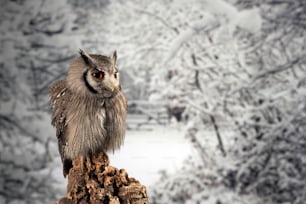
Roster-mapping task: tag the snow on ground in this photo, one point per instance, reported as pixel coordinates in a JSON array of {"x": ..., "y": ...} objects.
[{"x": 145, "y": 153}]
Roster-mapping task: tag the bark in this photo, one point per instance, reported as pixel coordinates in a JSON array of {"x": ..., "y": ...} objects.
[{"x": 92, "y": 181}]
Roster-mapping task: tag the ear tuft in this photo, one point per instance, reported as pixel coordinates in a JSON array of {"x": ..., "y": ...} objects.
[
  {"x": 114, "y": 56},
  {"x": 86, "y": 57}
]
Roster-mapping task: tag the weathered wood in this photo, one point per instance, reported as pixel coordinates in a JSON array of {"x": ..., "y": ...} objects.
[{"x": 91, "y": 180}]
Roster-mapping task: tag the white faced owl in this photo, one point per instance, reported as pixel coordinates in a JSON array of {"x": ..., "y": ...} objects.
[{"x": 88, "y": 108}]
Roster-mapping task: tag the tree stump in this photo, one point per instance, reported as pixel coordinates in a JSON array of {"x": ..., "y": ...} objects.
[{"x": 92, "y": 181}]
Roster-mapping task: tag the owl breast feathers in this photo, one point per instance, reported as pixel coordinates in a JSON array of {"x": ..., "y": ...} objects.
[{"x": 88, "y": 108}]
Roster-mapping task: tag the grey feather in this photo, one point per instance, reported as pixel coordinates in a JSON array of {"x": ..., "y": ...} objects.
[{"x": 89, "y": 115}]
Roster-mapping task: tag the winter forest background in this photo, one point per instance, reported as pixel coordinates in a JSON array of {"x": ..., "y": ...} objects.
[{"x": 225, "y": 78}]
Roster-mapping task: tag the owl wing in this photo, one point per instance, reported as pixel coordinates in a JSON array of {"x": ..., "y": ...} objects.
[{"x": 59, "y": 98}]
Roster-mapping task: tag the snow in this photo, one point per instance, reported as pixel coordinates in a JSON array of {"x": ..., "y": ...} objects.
[
  {"x": 146, "y": 153},
  {"x": 248, "y": 19},
  {"x": 219, "y": 41}
]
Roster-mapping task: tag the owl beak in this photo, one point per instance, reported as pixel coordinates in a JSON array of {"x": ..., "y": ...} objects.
[
  {"x": 110, "y": 86},
  {"x": 112, "y": 89}
]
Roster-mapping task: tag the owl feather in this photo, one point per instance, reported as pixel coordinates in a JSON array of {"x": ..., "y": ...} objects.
[{"x": 88, "y": 108}]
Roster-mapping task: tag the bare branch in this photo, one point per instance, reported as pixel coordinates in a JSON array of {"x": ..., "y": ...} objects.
[
  {"x": 289, "y": 65},
  {"x": 159, "y": 19},
  {"x": 216, "y": 127}
]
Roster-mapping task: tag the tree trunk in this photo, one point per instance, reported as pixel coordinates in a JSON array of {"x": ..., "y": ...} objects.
[{"x": 92, "y": 181}]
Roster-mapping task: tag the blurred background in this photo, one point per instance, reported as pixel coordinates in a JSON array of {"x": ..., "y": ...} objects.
[{"x": 216, "y": 92}]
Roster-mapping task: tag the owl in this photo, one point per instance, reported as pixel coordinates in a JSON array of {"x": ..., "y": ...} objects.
[{"x": 88, "y": 108}]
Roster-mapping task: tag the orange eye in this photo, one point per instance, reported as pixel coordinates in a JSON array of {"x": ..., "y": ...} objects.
[{"x": 98, "y": 75}]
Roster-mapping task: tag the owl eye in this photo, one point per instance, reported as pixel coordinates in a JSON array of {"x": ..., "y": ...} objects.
[
  {"x": 116, "y": 75},
  {"x": 98, "y": 75}
]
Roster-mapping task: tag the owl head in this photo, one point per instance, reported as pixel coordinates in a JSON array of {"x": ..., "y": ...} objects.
[{"x": 94, "y": 75}]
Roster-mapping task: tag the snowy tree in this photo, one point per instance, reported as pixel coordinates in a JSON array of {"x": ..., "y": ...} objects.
[
  {"x": 233, "y": 73},
  {"x": 204, "y": 65},
  {"x": 260, "y": 90},
  {"x": 272, "y": 128},
  {"x": 34, "y": 52}
]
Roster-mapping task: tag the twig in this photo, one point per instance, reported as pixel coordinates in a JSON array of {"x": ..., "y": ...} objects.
[
  {"x": 6, "y": 120},
  {"x": 159, "y": 19},
  {"x": 201, "y": 150},
  {"x": 216, "y": 127},
  {"x": 281, "y": 68},
  {"x": 196, "y": 76}
]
